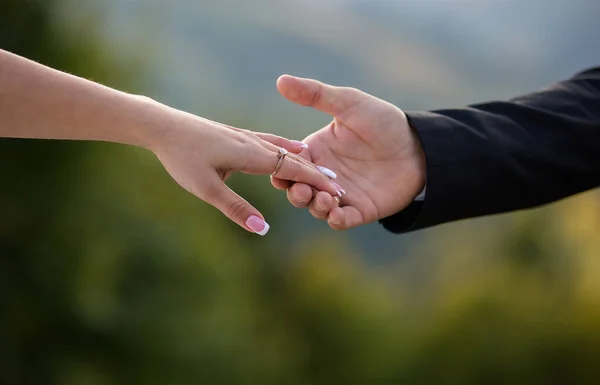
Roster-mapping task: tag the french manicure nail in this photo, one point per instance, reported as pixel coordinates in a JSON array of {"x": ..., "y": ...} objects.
[
  {"x": 258, "y": 225},
  {"x": 327, "y": 172},
  {"x": 338, "y": 192},
  {"x": 338, "y": 188},
  {"x": 300, "y": 144}
]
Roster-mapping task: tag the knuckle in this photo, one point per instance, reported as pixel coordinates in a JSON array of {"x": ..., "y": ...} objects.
[
  {"x": 144, "y": 98},
  {"x": 247, "y": 156},
  {"x": 250, "y": 137},
  {"x": 235, "y": 209},
  {"x": 353, "y": 90},
  {"x": 243, "y": 138},
  {"x": 297, "y": 170},
  {"x": 316, "y": 96},
  {"x": 273, "y": 139},
  {"x": 354, "y": 95}
]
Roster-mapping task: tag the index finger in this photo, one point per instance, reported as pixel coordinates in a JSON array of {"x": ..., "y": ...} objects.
[{"x": 289, "y": 167}]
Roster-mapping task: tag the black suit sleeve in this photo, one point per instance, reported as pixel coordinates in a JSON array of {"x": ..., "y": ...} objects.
[{"x": 502, "y": 156}]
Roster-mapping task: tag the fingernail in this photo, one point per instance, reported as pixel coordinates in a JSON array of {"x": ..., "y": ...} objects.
[
  {"x": 333, "y": 221},
  {"x": 327, "y": 172},
  {"x": 257, "y": 225},
  {"x": 338, "y": 188},
  {"x": 337, "y": 191},
  {"x": 300, "y": 144}
]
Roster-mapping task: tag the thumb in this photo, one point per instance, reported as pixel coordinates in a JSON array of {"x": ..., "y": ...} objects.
[
  {"x": 326, "y": 98},
  {"x": 236, "y": 208}
]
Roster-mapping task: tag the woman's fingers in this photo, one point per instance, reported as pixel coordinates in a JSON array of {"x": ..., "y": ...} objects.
[
  {"x": 234, "y": 207},
  {"x": 274, "y": 142},
  {"x": 296, "y": 170},
  {"x": 292, "y": 146},
  {"x": 288, "y": 167},
  {"x": 308, "y": 185},
  {"x": 282, "y": 179}
]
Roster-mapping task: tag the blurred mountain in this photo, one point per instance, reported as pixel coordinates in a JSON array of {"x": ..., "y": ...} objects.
[
  {"x": 220, "y": 59},
  {"x": 420, "y": 53}
]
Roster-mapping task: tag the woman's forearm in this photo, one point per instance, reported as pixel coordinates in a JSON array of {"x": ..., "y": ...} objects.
[{"x": 39, "y": 102}]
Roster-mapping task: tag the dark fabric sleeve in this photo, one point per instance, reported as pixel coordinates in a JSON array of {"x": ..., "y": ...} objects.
[{"x": 503, "y": 156}]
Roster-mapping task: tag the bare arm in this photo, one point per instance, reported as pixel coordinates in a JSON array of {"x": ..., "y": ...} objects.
[{"x": 40, "y": 102}]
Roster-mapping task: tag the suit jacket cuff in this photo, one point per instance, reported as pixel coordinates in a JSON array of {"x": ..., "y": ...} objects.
[{"x": 437, "y": 134}]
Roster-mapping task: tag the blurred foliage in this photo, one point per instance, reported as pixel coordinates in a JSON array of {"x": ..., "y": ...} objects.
[{"x": 111, "y": 274}]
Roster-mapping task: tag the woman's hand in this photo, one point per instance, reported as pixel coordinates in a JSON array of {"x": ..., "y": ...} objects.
[
  {"x": 39, "y": 102},
  {"x": 200, "y": 155}
]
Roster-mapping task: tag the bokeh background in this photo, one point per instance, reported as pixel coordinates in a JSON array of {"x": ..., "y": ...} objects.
[{"x": 112, "y": 274}]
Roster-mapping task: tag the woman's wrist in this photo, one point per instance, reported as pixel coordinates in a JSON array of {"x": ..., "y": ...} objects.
[{"x": 150, "y": 122}]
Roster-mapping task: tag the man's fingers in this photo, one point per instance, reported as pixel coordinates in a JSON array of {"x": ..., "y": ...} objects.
[
  {"x": 323, "y": 97},
  {"x": 291, "y": 167},
  {"x": 293, "y": 146},
  {"x": 235, "y": 207},
  {"x": 344, "y": 218},
  {"x": 300, "y": 195},
  {"x": 320, "y": 206}
]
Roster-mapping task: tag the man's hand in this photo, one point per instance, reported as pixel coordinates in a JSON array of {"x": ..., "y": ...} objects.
[{"x": 369, "y": 144}]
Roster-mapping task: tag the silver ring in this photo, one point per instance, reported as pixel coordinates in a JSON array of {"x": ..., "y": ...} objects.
[
  {"x": 338, "y": 200},
  {"x": 281, "y": 154}
]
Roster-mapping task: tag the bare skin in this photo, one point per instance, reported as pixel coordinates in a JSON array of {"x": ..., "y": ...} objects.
[
  {"x": 40, "y": 102},
  {"x": 378, "y": 158}
]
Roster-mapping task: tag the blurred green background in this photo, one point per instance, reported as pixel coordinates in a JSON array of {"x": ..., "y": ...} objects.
[{"x": 112, "y": 274}]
